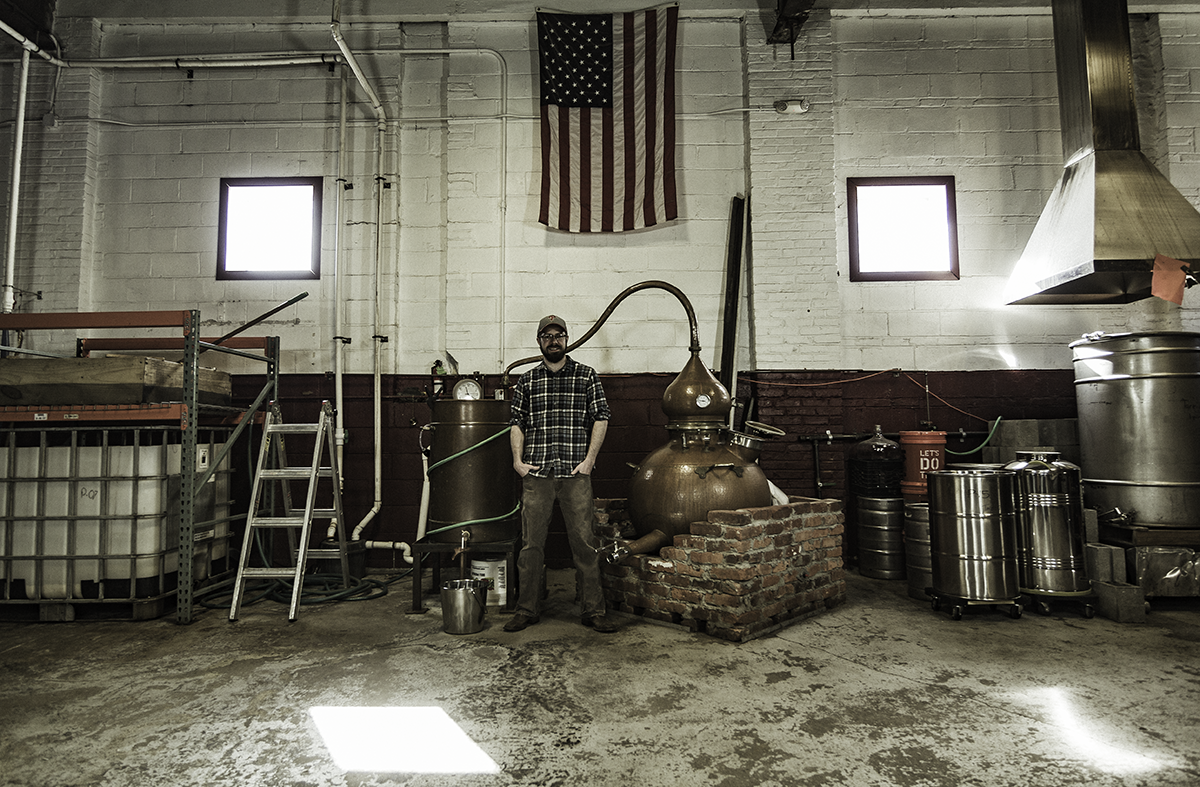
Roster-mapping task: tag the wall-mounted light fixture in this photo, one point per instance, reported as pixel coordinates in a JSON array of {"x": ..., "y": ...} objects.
[{"x": 792, "y": 106}]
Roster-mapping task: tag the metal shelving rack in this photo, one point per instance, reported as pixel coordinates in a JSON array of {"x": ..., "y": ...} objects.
[{"x": 187, "y": 413}]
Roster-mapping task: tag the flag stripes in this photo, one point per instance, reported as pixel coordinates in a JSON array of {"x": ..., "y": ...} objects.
[{"x": 608, "y": 156}]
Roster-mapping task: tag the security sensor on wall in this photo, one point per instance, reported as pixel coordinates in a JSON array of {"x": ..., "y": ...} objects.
[{"x": 793, "y": 106}]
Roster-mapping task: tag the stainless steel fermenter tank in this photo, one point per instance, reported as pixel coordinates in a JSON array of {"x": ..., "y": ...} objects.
[
  {"x": 973, "y": 535},
  {"x": 1138, "y": 396},
  {"x": 472, "y": 484}
]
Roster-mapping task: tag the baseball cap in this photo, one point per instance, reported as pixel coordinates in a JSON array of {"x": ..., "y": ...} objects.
[{"x": 552, "y": 319}]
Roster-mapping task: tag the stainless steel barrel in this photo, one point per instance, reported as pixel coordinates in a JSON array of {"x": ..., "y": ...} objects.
[
  {"x": 1049, "y": 498},
  {"x": 472, "y": 484},
  {"x": 918, "y": 560},
  {"x": 1138, "y": 397},
  {"x": 881, "y": 537},
  {"x": 973, "y": 534}
]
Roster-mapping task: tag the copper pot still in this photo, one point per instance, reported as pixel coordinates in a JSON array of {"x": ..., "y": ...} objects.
[{"x": 704, "y": 467}]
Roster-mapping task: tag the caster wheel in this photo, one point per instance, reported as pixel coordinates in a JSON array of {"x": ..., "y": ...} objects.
[
  {"x": 956, "y": 613},
  {"x": 1042, "y": 607},
  {"x": 1014, "y": 611},
  {"x": 1089, "y": 611},
  {"x": 935, "y": 603}
]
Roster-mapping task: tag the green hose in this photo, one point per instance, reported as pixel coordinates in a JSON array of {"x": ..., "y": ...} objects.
[
  {"x": 981, "y": 446},
  {"x": 481, "y": 443},
  {"x": 474, "y": 521}
]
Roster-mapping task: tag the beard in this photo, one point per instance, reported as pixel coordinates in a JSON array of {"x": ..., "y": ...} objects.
[{"x": 554, "y": 355}]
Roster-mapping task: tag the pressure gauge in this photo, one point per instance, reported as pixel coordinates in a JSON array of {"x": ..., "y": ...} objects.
[
  {"x": 703, "y": 400},
  {"x": 467, "y": 388}
]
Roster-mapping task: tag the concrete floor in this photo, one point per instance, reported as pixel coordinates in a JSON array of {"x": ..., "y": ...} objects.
[{"x": 881, "y": 691}]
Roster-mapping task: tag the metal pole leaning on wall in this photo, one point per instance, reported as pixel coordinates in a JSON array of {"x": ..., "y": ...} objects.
[{"x": 733, "y": 282}]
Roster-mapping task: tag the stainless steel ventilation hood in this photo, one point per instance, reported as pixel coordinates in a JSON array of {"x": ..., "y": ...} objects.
[{"x": 1112, "y": 211}]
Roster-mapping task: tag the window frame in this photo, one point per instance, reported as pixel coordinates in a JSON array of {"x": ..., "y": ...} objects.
[
  {"x": 854, "y": 224},
  {"x": 313, "y": 271}
]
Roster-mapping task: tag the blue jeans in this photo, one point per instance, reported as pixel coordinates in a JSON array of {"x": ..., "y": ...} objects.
[{"x": 574, "y": 495}]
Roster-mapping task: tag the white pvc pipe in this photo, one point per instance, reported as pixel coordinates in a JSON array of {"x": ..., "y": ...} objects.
[
  {"x": 378, "y": 338},
  {"x": 400, "y": 546},
  {"x": 339, "y": 356},
  {"x": 10, "y": 255}
]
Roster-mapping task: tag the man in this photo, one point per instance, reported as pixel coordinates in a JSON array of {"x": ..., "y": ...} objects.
[{"x": 559, "y": 419}]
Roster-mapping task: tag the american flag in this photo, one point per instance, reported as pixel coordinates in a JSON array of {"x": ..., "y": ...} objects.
[{"x": 608, "y": 119}]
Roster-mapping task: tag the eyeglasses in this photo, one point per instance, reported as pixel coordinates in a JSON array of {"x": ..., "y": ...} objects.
[{"x": 549, "y": 337}]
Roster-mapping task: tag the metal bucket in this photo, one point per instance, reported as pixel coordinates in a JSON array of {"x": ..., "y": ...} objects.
[
  {"x": 471, "y": 477},
  {"x": 464, "y": 603},
  {"x": 973, "y": 535},
  {"x": 918, "y": 560},
  {"x": 1050, "y": 537},
  {"x": 881, "y": 537},
  {"x": 1138, "y": 397}
]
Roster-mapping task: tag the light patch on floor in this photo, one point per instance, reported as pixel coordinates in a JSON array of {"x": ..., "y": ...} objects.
[
  {"x": 1084, "y": 742},
  {"x": 398, "y": 740}
]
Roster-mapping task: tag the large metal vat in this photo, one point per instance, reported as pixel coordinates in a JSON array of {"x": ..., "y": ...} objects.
[
  {"x": 472, "y": 483},
  {"x": 1049, "y": 498},
  {"x": 1138, "y": 396},
  {"x": 973, "y": 535}
]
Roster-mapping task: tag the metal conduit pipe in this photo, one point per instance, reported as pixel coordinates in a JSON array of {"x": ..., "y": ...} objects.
[
  {"x": 191, "y": 61},
  {"x": 694, "y": 348}
]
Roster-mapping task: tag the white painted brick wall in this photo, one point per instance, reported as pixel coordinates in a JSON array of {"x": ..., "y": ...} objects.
[
  {"x": 126, "y": 215},
  {"x": 973, "y": 97}
]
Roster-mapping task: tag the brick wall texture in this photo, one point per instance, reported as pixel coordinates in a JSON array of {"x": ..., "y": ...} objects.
[{"x": 739, "y": 575}]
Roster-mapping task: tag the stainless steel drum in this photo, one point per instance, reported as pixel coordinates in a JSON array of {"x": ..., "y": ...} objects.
[
  {"x": 1138, "y": 396},
  {"x": 1050, "y": 552},
  {"x": 973, "y": 535},
  {"x": 918, "y": 561},
  {"x": 472, "y": 483},
  {"x": 881, "y": 537}
]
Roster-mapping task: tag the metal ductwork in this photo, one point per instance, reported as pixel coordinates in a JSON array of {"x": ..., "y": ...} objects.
[{"x": 1112, "y": 212}]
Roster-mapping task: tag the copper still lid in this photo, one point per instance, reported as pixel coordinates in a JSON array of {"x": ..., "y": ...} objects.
[{"x": 696, "y": 398}]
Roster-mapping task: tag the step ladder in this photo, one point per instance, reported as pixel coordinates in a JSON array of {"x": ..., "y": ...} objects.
[{"x": 272, "y": 452}]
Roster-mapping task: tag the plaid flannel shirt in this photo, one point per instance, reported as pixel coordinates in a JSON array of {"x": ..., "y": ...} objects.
[{"x": 556, "y": 411}]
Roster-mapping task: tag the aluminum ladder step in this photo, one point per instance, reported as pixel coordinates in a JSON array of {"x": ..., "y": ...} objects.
[{"x": 295, "y": 473}]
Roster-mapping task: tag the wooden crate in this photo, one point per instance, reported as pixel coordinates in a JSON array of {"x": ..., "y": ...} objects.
[{"x": 114, "y": 379}]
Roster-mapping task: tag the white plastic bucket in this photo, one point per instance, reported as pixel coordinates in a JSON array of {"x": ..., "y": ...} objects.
[{"x": 495, "y": 571}]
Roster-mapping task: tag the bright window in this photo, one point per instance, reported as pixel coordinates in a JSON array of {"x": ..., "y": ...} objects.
[
  {"x": 902, "y": 229},
  {"x": 270, "y": 228}
]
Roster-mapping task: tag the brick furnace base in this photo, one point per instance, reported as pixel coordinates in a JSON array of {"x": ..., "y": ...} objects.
[{"x": 740, "y": 575}]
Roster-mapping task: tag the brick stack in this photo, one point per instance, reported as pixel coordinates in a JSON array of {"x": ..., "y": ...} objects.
[{"x": 737, "y": 576}]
